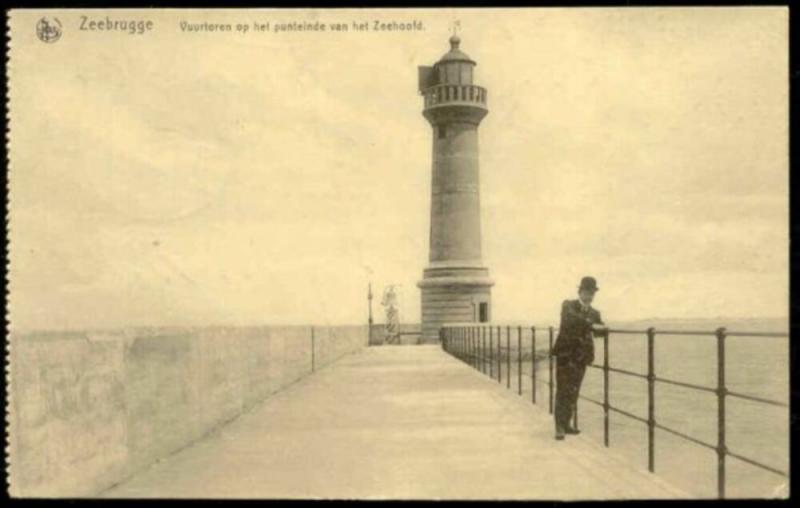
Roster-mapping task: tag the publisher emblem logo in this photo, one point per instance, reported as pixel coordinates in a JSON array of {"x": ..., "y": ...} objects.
[{"x": 48, "y": 30}]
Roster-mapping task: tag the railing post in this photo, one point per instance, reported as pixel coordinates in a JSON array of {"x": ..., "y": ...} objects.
[
  {"x": 472, "y": 361},
  {"x": 483, "y": 349},
  {"x": 313, "y": 356},
  {"x": 461, "y": 343},
  {"x": 606, "y": 405},
  {"x": 508, "y": 357},
  {"x": 480, "y": 348},
  {"x": 463, "y": 347},
  {"x": 464, "y": 344},
  {"x": 473, "y": 349},
  {"x": 651, "y": 400},
  {"x": 533, "y": 364},
  {"x": 550, "y": 368},
  {"x": 722, "y": 391},
  {"x": 491, "y": 351},
  {"x": 469, "y": 346},
  {"x": 519, "y": 359},
  {"x": 475, "y": 331},
  {"x": 499, "y": 356}
]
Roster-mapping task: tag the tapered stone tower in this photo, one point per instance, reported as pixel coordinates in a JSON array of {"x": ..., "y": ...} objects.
[{"x": 455, "y": 285}]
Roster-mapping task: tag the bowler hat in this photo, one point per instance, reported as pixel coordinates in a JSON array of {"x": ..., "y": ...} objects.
[{"x": 589, "y": 283}]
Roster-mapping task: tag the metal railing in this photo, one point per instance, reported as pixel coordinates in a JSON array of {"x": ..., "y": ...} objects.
[
  {"x": 468, "y": 343},
  {"x": 450, "y": 93}
]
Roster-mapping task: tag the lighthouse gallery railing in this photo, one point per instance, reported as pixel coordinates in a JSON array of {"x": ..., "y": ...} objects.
[
  {"x": 481, "y": 346},
  {"x": 453, "y": 94}
]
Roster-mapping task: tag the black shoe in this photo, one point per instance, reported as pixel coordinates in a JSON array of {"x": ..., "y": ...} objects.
[
  {"x": 559, "y": 433},
  {"x": 572, "y": 430}
]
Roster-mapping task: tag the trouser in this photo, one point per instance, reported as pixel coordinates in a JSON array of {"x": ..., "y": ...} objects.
[{"x": 569, "y": 375}]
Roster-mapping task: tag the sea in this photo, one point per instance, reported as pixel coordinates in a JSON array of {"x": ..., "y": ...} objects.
[{"x": 755, "y": 366}]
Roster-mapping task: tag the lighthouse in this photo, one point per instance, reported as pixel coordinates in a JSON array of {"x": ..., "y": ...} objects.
[{"x": 455, "y": 286}]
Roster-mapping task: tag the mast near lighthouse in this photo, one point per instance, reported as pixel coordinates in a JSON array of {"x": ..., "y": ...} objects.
[{"x": 455, "y": 285}]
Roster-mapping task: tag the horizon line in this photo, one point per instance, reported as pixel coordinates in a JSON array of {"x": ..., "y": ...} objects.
[{"x": 515, "y": 322}]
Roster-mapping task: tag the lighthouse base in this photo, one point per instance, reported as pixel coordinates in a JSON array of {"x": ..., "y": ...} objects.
[{"x": 453, "y": 294}]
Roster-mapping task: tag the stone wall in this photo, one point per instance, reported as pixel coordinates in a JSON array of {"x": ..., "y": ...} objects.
[{"x": 89, "y": 409}]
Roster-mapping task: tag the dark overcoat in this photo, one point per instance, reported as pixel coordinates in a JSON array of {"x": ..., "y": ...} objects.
[{"x": 574, "y": 341}]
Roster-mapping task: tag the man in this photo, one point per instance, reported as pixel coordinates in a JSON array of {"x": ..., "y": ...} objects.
[{"x": 574, "y": 350}]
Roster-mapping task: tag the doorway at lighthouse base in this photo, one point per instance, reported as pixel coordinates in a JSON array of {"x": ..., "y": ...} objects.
[{"x": 453, "y": 304}]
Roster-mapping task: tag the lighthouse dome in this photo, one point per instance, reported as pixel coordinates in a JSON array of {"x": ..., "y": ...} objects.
[{"x": 455, "y": 54}]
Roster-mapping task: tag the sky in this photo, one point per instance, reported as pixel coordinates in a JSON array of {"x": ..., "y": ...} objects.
[{"x": 175, "y": 178}]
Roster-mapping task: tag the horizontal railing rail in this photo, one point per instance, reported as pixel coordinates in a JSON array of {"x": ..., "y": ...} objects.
[{"x": 481, "y": 345}]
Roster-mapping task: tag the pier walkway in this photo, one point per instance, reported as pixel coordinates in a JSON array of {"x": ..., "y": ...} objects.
[{"x": 395, "y": 422}]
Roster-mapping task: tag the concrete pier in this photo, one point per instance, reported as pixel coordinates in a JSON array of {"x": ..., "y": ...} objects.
[{"x": 395, "y": 423}]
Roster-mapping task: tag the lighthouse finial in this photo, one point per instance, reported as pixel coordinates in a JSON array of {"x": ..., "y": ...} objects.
[{"x": 454, "y": 39}]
